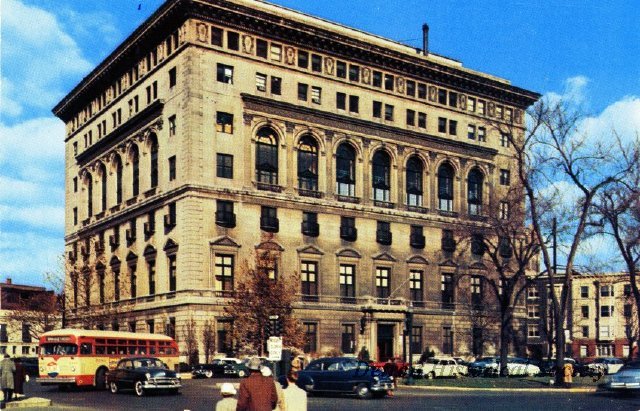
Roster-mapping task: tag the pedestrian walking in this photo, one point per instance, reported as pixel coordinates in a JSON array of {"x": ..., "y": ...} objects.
[
  {"x": 568, "y": 374},
  {"x": 256, "y": 393},
  {"x": 227, "y": 403},
  {"x": 7, "y": 368},
  {"x": 266, "y": 372},
  {"x": 294, "y": 396},
  {"x": 19, "y": 378}
]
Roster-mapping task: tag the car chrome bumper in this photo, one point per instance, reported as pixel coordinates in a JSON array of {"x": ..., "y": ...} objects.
[
  {"x": 59, "y": 380},
  {"x": 385, "y": 386},
  {"x": 161, "y": 385}
]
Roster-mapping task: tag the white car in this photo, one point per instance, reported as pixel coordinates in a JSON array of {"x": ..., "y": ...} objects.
[
  {"x": 442, "y": 367},
  {"x": 515, "y": 367},
  {"x": 608, "y": 365}
]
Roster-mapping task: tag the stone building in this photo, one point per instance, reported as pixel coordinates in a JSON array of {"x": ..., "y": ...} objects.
[
  {"x": 222, "y": 127},
  {"x": 601, "y": 321}
]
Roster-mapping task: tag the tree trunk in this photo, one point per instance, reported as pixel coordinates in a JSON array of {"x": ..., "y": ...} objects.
[
  {"x": 559, "y": 348},
  {"x": 505, "y": 337}
]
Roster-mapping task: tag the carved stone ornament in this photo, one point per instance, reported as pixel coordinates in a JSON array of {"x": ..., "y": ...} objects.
[
  {"x": 462, "y": 101},
  {"x": 433, "y": 93},
  {"x": 366, "y": 75},
  {"x": 247, "y": 44},
  {"x": 161, "y": 51},
  {"x": 400, "y": 85},
  {"x": 491, "y": 109},
  {"x": 329, "y": 65},
  {"x": 518, "y": 116},
  {"x": 290, "y": 55},
  {"x": 202, "y": 29},
  {"x": 182, "y": 34}
]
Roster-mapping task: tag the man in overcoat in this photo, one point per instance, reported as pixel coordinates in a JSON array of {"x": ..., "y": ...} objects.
[
  {"x": 7, "y": 368},
  {"x": 257, "y": 393}
]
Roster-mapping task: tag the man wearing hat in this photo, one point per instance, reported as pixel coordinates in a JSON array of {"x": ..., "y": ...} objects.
[
  {"x": 257, "y": 393},
  {"x": 227, "y": 403}
]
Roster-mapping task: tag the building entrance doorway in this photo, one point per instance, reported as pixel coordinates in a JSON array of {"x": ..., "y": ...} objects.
[{"x": 385, "y": 341}]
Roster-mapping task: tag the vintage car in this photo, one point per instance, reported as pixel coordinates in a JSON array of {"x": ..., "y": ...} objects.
[
  {"x": 143, "y": 374},
  {"x": 605, "y": 365},
  {"x": 441, "y": 367},
  {"x": 346, "y": 376},
  {"x": 626, "y": 379},
  {"x": 219, "y": 367},
  {"x": 490, "y": 366}
]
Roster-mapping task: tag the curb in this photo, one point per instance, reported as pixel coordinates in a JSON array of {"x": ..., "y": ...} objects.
[
  {"x": 31, "y": 402},
  {"x": 547, "y": 389}
]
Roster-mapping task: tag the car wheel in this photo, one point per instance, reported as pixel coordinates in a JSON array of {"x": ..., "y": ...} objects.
[
  {"x": 208, "y": 373},
  {"x": 139, "y": 389},
  {"x": 242, "y": 373},
  {"x": 363, "y": 391},
  {"x": 113, "y": 387},
  {"x": 101, "y": 380}
]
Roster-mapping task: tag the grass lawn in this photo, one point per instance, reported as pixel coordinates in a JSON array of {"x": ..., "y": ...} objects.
[{"x": 492, "y": 382}]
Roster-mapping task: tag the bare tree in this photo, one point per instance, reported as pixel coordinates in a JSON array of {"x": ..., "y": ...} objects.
[
  {"x": 208, "y": 340},
  {"x": 40, "y": 310},
  {"x": 261, "y": 293},
  {"x": 190, "y": 339}
]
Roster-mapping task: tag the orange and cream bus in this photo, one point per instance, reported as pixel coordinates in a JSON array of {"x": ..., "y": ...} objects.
[{"x": 83, "y": 357}]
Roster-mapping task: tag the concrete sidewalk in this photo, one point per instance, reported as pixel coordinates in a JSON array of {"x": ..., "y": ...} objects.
[
  {"x": 28, "y": 402},
  {"x": 540, "y": 389}
]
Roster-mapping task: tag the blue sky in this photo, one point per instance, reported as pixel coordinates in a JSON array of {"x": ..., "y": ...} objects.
[{"x": 586, "y": 50}]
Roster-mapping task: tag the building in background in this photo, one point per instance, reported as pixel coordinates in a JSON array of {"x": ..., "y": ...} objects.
[
  {"x": 19, "y": 317},
  {"x": 602, "y": 320},
  {"x": 219, "y": 128}
]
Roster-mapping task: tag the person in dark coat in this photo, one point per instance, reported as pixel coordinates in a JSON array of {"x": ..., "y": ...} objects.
[
  {"x": 257, "y": 393},
  {"x": 7, "y": 367},
  {"x": 19, "y": 378}
]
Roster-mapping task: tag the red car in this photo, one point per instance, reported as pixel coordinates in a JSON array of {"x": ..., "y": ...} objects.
[{"x": 395, "y": 368}]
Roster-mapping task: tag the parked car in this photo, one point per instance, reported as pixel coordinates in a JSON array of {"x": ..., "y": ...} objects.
[
  {"x": 344, "y": 375},
  {"x": 442, "y": 367},
  {"x": 490, "y": 366},
  {"x": 605, "y": 365},
  {"x": 483, "y": 366},
  {"x": 548, "y": 367},
  {"x": 143, "y": 374},
  {"x": 626, "y": 379},
  {"x": 216, "y": 368},
  {"x": 386, "y": 366},
  {"x": 237, "y": 368}
]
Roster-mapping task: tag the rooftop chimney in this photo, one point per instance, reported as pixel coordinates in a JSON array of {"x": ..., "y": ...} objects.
[
  {"x": 8, "y": 280},
  {"x": 425, "y": 39}
]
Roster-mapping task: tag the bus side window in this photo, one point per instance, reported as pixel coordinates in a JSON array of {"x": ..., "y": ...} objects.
[
  {"x": 86, "y": 349},
  {"x": 100, "y": 349}
]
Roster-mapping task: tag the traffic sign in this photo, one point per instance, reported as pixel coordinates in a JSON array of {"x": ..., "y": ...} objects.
[{"x": 274, "y": 347}]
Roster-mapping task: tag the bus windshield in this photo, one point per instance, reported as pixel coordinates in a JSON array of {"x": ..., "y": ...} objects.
[{"x": 59, "y": 349}]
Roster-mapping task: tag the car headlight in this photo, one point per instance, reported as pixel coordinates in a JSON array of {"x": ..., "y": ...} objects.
[
  {"x": 178, "y": 375},
  {"x": 376, "y": 378},
  {"x": 391, "y": 377},
  {"x": 148, "y": 376},
  {"x": 73, "y": 368}
]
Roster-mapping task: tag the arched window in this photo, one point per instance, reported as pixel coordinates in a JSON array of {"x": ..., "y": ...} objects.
[
  {"x": 308, "y": 164},
  {"x": 135, "y": 164},
  {"x": 445, "y": 187},
  {"x": 154, "y": 161},
  {"x": 381, "y": 176},
  {"x": 118, "y": 164},
  {"x": 267, "y": 156},
  {"x": 103, "y": 183},
  {"x": 414, "y": 182},
  {"x": 346, "y": 170},
  {"x": 474, "y": 192},
  {"x": 89, "y": 195}
]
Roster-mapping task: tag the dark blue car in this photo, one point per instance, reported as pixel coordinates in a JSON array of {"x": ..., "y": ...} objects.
[{"x": 344, "y": 375}]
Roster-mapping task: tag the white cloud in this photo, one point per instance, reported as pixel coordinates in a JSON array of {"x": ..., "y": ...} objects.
[
  {"x": 37, "y": 54},
  {"x": 621, "y": 117},
  {"x": 38, "y": 217}
]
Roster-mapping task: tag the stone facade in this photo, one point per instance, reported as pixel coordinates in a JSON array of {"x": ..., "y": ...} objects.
[{"x": 217, "y": 127}]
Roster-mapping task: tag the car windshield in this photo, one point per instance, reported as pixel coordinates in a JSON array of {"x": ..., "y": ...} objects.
[
  {"x": 59, "y": 349},
  {"x": 148, "y": 363}
]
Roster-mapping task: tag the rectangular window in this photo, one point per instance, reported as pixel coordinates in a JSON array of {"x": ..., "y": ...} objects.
[
  {"x": 585, "y": 331},
  {"x": 533, "y": 330},
  {"x": 354, "y": 104},
  {"x": 627, "y": 290},
  {"x": 422, "y": 120},
  {"x": 606, "y": 291},
  {"x": 269, "y": 219},
  {"x": 303, "y": 90},
  {"x": 411, "y": 117},
  {"x": 442, "y": 96},
  {"x": 172, "y": 126},
  {"x": 481, "y": 107},
  {"x": 172, "y": 273},
  {"x": 416, "y": 340},
  {"x": 584, "y": 291},
  {"x": 276, "y": 52},
  {"x": 453, "y": 99},
  {"x": 499, "y": 111},
  {"x": 627, "y": 310},
  {"x": 172, "y": 168},
  {"x": 276, "y": 85},
  {"x": 26, "y": 332},
  {"x": 261, "y": 82},
  {"x": 388, "y": 112},
  {"x": 442, "y": 125},
  {"x": 476, "y": 290},
  {"x": 508, "y": 114},
  {"x": 416, "y": 286},
  {"x": 505, "y": 177},
  {"x": 383, "y": 283},
  {"x": 354, "y": 72},
  {"x": 471, "y": 104},
  {"x": 341, "y": 69},
  {"x": 347, "y": 283},
  {"x": 309, "y": 280},
  {"x": 377, "y": 79},
  {"x": 606, "y": 311},
  {"x": 75, "y": 215},
  {"x": 533, "y": 311},
  {"x": 411, "y": 88},
  {"x": 151, "y": 267},
  {"x": 471, "y": 132},
  {"x": 447, "y": 340},
  {"x": 224, "y": 165},
  {"x": 216, "y": 36},
  {"x": 224, "y": 343},
  {"x": 224, "y": 267},
  {"x": 224, "y": 122},
  {"x": 224, "y": 73},
  {"x": 348, "y": 338},
  {"x": 303, "y": 59},
  {"x": 316, "y": 95},
  {"x": 504, "y": 210},
  {"x": 262, "y": 48},
  {"x": 225, "y": 217},
  {"x": 377, "y": 109},
  {"x": 422, "y": 91},
  {"x": 446, "y": 289},
  {"x": 310, "y": 225},
  {"x": 505, "y": 140},
  {"x": 233, "y": 40},
  {"x": 341, "y": 101},
  {"x": 172, "y": 77},
  {"x": 316, "y": 63},
  {"x": 482, "y": 134},
  {"x": 388, "y": 82},
  {"x": 151, "y": 326},
  {"x": 453, "y": 127},
  {"x": 310, "y": 337}
]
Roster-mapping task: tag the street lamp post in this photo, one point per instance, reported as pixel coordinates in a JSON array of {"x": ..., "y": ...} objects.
[{"x": 409, "y": 326}]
